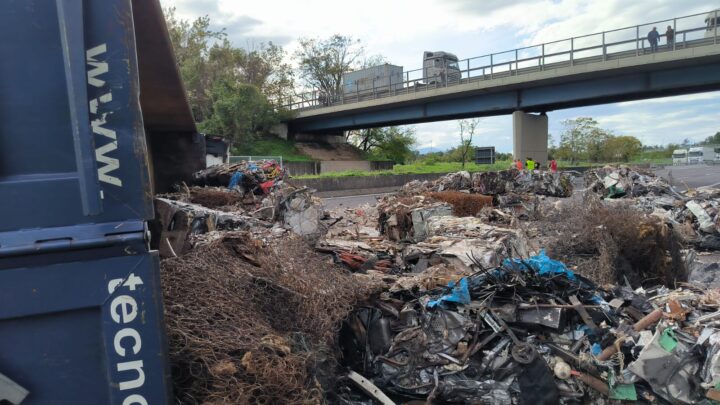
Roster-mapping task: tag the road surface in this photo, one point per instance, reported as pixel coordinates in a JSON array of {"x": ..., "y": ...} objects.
[
  {"x": 682, "y": 176},
  {"x": 692, "y": 175},
  {"x": 351, "y": 201}
]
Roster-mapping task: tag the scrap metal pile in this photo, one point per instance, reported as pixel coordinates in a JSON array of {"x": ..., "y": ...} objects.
[
  {"x": 694, "y": 213},
  {"x": 442, "y": 293},
  {"x": 531, "y": 331},
  {"x": 497, "y": 183},
  {"x": 245, "y": 177},
  {"x": 239, "y": 196}
]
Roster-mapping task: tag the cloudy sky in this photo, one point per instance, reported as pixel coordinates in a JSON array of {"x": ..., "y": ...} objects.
[{"x": 401, "y": 30}]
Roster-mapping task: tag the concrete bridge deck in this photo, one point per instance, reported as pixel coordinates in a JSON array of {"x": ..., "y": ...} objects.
[{"x": 586, "y": 81}]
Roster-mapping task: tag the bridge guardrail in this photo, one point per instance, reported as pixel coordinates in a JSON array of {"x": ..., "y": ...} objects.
[{"x": 602, "y": 46}]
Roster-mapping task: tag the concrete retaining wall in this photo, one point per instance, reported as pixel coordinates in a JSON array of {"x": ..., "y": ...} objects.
[
  {"x": 325, "y": 166},
  {"x": 373, "y": 182},
  {"x": 362, "y": 182},
  {"x": 301, "y": 168}
]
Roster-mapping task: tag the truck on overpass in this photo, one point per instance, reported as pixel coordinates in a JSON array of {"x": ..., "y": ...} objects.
[{"x": 439, "y": 68}]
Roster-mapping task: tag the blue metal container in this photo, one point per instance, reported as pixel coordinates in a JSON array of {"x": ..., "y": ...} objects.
[
  {"x": 87, "y": 332},
  {"x": 80, "y": 297},
  {"x": 72, "y": 141}
]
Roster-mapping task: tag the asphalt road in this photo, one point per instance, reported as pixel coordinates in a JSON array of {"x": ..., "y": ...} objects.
[
  {"x": 351, "y": 201},
  {"x": 692, "y": 175},
  {"x": 682, "y": 176}
]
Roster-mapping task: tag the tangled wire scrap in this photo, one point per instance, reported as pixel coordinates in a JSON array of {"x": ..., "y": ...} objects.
[{"x": 253, "y": 323}]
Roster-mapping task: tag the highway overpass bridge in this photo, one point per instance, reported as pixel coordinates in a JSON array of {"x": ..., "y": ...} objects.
[{"x": 600, "y": 68}]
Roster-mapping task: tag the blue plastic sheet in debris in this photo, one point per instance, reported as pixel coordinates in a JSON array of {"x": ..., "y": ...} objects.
[
  {"x": 460, "y": 294},
  {"x": 235, "y": 180},
  {"x": 596, "y": 349},
  {"x": 542, "y": 263}
]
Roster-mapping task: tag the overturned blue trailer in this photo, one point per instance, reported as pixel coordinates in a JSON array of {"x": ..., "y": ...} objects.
[{"x": 93, "y": 121}]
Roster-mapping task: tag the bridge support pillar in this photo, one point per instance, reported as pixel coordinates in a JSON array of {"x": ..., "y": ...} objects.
[{"x": 530, "y": 136}]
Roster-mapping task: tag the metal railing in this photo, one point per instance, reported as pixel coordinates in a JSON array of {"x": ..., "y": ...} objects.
[{"x": 598, "y": 47}]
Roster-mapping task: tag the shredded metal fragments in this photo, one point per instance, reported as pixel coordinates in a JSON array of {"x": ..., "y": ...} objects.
[{"x": 490, "y": 288}]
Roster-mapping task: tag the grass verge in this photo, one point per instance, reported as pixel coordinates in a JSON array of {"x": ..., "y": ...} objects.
[{"x": 272, "y": 147}]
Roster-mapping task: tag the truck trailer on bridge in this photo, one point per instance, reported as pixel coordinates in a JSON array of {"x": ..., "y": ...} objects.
[{"x": 439, "y": 68}]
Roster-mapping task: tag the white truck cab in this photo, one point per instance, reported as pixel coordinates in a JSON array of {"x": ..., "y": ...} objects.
[
  {"x": 440, "y": 67},
  {"x": 680, "y": 157},
  {"x": 712, "y": 20}
]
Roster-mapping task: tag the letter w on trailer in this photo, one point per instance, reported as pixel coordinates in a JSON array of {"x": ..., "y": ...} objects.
[{"x": 87, "y": 89}]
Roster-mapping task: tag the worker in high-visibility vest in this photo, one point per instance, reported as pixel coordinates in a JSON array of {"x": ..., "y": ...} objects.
[{"x": 530, "y": 164}]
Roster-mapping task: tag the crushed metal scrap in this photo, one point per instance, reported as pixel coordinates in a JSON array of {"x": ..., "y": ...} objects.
[
  {"x": 497, "y": 183},
  {"x": 532, "y": 331},
  {"x": 442, "y": 293}
]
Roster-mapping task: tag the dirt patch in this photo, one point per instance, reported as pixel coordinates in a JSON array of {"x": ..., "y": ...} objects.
[
  {"x": 213, "y": 198},
  {"x": 464, "y": 204}
]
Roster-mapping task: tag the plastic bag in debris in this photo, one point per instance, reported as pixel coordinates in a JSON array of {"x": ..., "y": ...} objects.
[
  {"x": 542, "y": 263},
  {"x": 235, "y": 180},
  {"x": 460, "y": 294}
]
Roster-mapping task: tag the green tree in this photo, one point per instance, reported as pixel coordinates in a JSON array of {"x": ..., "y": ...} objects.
[
  {"x": 574, "y": 139},
  {"x": 231, "y": 90},
  {"x": 389, "y": 143},
  {"x": 597, "y": 145},
  {"x": 322, "y": 62},
  {"x": 712, "y": 140},
  {"x": 467, "y": 131},
  {"x": 622, "y": 148},
  {"x": 239, "y": 111},
  {"x": 192, "y": 42},
  {"x": 397, "y": 146}
]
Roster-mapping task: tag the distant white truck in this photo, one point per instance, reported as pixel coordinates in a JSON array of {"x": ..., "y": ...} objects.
[
  {"x": 680, "y": 157},
  {"x": 701, "y": 154}
]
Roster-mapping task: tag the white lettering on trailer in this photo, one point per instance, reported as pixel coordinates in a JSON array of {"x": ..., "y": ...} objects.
[
  {"x": 128, "y": 309},
  {"x": 99, "y": 67},
  {"x": 106, "y": 164},
  {"x": 135, "y": 399},
  {"x": 136, "y": 365},
  {"x": 127, "y": 341},
  {"x": 127, "y": 333}
]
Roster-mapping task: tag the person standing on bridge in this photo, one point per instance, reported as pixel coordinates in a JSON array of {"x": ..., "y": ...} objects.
[
  {"x": 653, "y": 38},
  {"x": 670, "y": 37}
]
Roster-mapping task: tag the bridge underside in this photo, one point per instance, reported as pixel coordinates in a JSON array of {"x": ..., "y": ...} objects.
[{"x": 578, "y": 90}]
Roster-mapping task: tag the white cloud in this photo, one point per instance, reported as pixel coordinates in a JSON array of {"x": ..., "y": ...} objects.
[{"x": 711, "y": 96}]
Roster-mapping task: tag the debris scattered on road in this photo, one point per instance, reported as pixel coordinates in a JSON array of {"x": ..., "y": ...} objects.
[
  {"x": 497, "y": 183},
  {"x": 501, "y": 287}
]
